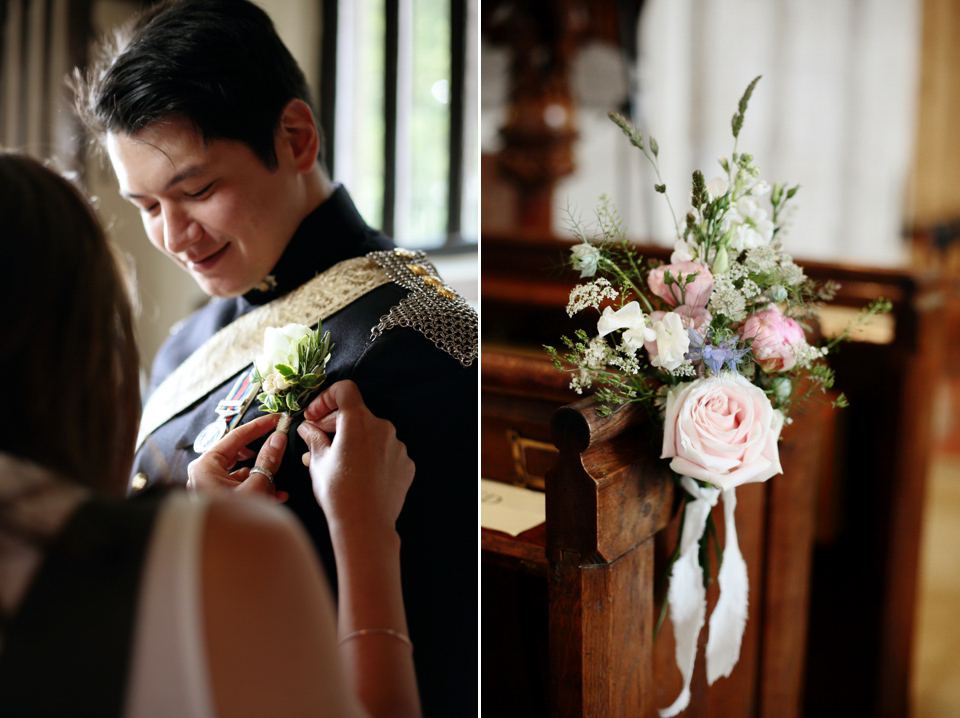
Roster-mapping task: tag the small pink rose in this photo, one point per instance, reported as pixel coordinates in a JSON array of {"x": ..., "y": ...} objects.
[
  {"x": 722, "y": 429},
  {"x": 691, "y": 318},
  {"x": 775, "y": 339},
  {"x": 694, "y": 294}
]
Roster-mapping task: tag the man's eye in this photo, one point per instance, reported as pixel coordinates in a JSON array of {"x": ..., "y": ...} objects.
[
  {"x": 151, "y": 209},
  {"x": 202, "y": 192}
]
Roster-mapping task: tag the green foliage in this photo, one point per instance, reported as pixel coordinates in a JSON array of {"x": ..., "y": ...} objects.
[
  {"x": 737, "y": 121},
  {"x": 268, "y": 403},
  {"x": 310, "y": 381},
  {"x": 699, "y": 194},
  {"x": 876, "y": 307},
  {"x": 632, "y": 133},
  {"x": 313, "y": 355}
]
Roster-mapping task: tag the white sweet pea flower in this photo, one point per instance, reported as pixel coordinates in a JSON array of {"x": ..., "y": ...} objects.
[
  {"x": 765, "y": 228},
  {"x": 672, "y": 342},
  {"x": 749, "y": 209},
  {"x": 756, "y": 216},
  {"x": 683, "y": 251},
  {"x": 745, "y": 237},
  {"x": 717, "y": 187},
  {"x": 760, "y": 189},
  {"x": 585, "y": 258},
  {"x": 633, "y": 339},
  {"x": 629, "y": 316},
  {"x": 752, "y": 229}
]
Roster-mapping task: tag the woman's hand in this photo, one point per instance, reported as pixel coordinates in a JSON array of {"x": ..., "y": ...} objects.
[
  {"x": 362, "y": 474},
  {"x": 212, "y": 471}
]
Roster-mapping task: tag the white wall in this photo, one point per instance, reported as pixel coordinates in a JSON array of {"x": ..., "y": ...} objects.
[{"x": 834, "y": 112}]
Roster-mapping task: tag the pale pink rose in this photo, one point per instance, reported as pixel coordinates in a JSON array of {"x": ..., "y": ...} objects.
[
  {"x": 775, "y": 339},
  {"x": 722, "y": 429},
  {"x": 691, "y": 318},
  {"x": 695, "y": 294}
]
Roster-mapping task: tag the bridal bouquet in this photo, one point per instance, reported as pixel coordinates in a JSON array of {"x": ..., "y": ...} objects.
[{"x": 714, "y": 345}]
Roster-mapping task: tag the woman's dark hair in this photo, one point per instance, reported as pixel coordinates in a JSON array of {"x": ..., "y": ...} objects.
[
  {"x": 218, "y": 63},
  {"x": 68, "y": 358}
]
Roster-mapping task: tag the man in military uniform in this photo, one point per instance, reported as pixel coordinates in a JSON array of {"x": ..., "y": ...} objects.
[{"x": 207, "y": 121}]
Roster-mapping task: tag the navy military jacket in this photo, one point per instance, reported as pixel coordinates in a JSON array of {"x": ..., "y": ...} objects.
[{"x": 429, "y": 396}]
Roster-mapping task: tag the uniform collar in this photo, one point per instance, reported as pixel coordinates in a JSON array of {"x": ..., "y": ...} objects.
[{"x": 331, "y": 233}]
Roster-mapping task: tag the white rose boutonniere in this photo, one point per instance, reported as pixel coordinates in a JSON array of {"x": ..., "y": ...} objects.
[{"x": 291, "y": 368}]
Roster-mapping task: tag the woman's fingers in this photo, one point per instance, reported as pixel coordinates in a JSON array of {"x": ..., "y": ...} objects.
[
  {"x": 328, "y": 423},
  {"x": 316, "y": 440},
  {"x": 211, "y": 471},
  {"x": 261, "y": 477},
  {"x": 343, "y": 394},
  {"x": 226, "y": 451}
]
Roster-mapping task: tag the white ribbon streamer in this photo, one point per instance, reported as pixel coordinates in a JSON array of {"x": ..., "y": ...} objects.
[
  {"x": 729, "y": 617},
  {"x": 687, "y": 596}
]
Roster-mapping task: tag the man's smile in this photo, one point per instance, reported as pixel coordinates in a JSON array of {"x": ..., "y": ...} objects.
[{"x": 202, "y": 265}]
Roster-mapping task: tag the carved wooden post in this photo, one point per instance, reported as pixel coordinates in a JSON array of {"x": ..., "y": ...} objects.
[
  {"x": 606, "y": 498},
  {"x": 540, "y": 127}
]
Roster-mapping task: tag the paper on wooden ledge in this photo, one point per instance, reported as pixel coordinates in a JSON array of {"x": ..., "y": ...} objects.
[{"x": 510, "y": 509}]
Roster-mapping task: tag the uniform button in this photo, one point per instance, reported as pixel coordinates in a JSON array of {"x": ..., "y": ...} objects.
[{"x": 139, "y": 481}]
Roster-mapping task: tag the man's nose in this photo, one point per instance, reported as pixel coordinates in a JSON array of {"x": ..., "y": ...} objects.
[{"x": 179, "y": 230}]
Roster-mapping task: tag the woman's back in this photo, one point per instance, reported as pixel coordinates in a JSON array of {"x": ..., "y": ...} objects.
[{"x": 231, "y": 575}]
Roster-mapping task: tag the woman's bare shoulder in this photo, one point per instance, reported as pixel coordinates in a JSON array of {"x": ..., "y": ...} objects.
[{"x": 269, "y": 618}]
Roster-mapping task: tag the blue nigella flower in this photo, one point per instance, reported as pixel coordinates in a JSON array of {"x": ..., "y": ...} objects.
[{"x": 714, "y": 356}]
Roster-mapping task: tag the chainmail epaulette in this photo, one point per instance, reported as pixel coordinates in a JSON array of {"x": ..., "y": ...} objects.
[{"x": 431, "y": 308}]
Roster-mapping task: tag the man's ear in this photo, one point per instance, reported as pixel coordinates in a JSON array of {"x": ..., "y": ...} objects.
[{"x": 298, "y": 136}]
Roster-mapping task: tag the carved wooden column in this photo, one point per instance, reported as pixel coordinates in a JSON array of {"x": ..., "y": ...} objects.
[{"x": 540, "y": 127}]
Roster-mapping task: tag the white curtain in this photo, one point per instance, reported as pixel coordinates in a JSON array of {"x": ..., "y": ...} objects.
[
  {"x": 834, "y": 113},
  {"x": 35, "y": 105}
]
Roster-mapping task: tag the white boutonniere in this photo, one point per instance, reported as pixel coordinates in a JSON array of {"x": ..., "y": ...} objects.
[{"x": 291, "y": 368}]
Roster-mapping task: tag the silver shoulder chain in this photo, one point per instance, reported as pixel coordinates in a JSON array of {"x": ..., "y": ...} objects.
[{"x": 431, "y": 308}]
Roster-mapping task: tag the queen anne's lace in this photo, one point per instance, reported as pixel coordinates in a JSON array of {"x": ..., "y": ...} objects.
[{"x": 590, "y": 295}]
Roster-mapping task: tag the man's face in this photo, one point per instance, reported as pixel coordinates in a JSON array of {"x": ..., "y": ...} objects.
[{"x": 214, "y": 209}]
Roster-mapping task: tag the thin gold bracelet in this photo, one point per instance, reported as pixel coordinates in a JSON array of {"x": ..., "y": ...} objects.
[{"x": 386, "y": 631}]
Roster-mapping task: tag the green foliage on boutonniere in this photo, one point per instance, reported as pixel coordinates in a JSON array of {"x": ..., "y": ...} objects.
[{"x": 292, "y": 367}]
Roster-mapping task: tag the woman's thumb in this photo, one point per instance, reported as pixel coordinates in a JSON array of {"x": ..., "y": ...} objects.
[{"x": 317, "y": 441}]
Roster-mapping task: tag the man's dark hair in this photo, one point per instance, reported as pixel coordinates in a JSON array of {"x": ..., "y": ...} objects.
[{"x": 218, "y": 63}]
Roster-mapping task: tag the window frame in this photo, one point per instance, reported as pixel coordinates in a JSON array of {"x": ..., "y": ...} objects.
[{"x": 455, "y": 240}]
